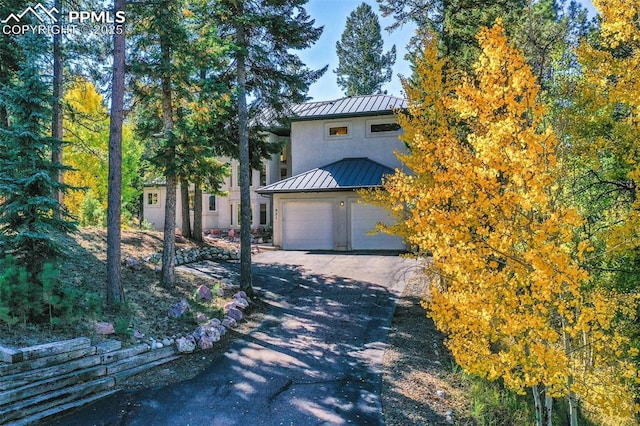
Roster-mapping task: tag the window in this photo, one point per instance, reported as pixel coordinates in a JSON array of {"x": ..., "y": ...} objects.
[
  {"x": 263, "y": 175},
  {"x": 382, "y": 127},
  {"x": 231, "y": 214},
  {"x": 263, "y": 213},
  {"x": 337, "y": 130},
  {"x": 385, "y": 127},
  {"x": 212, "y": 203},
  {"x": 152, "y": 198}
]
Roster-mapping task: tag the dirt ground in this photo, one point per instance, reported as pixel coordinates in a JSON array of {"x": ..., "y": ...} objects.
[{"x": 418, "y": 386}]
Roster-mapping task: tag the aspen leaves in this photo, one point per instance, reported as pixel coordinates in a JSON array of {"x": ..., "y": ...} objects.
[{"x": 483, "y": 199}]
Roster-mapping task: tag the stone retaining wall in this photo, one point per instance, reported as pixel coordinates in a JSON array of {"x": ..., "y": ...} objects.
[
  {"x": 184, "y": 256},
  {"x": 44, "y": 380}
]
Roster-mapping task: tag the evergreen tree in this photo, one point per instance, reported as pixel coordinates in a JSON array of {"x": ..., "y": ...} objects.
[
  {"x": 455, "y": 21},
  {"x": 268, "y": 72},
  {"x": 115, "y": 292},
  {"x": 28, "y": 191},
  {"x": 362, "y": 67}
]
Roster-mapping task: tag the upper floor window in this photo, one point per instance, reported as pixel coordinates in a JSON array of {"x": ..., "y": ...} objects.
[
  {"x": 382, "y": 127},
  {"x": 212, "y": 203},
  {"x": 337, "y": 130},
  {"x": 263, "y": 175},
  {"x": 152, "y": 199}
]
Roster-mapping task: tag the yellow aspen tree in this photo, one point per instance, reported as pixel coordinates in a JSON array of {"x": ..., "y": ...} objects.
[
  {"x": 610, "y": 96},
  {"x": 482, "y": 199}
]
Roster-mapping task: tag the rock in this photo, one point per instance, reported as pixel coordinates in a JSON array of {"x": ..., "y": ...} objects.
[
  {"x": 179, "y": 309},
  {"x": 229, "y": 322},
  {"x": 186, "y": 344},
  {"x": 181, "y": 239},
  {"x": 137, "y": 334},
  {"x": 449, "y": 417},
  {"x": 204, "y": 293},
  {"x": 220, "y": 290},
  {"x": 240, "y": 295},
  {"x": 133, "y": 263},
  {"x": 104, "y": 328},
  {"x": 440, "y": 393},
  {"x": 241, "y": 303},
  {"x": 205, "y": 342},
  {"x": 157, "y": 269},
  {"x": 200, "y": 317},
  {"x": 159, "y": 345},
  {"x": 166, "y": 341},
  {"x": 235, "y": 313}
]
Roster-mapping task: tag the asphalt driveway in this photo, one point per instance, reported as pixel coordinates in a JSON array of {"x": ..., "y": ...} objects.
[{"x": 315, "y": 359}]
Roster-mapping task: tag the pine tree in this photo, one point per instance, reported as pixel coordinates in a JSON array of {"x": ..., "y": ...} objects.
[
  {"x": 456, "y": 22},
  {"x": 28, "y": 191},
  {"x": 267, "y": 71},
  {"x": 114, "y": 290},
  {"x": 362, "y": 67}
]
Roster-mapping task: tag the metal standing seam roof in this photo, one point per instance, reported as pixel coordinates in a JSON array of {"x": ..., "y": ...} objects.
[
  {"x": 346, "y": 174},
  {"x": 348, "y": 106}
]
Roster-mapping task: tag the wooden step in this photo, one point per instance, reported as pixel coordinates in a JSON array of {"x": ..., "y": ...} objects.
[
  {"x": 21, "y": 379},
  {"x": 39, "y": 403},
  {"x": 36, "y": 418},
  {"x": 48, "y": 361},
  {"x": 120, "y": 376},
  {"x": 51, "y": 384},
  {"x": 141, "y": 359}
]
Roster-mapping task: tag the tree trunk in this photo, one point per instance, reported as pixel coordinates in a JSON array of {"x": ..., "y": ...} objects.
[
  {"x": 186, "y": 215},
  {"x": 538, "y": 406},
  {"x": 115, "y": 293},
  {"x": 197, "y": 211},
  {"x": 56, "y": 113},
  {"x": 548, "y": 402},
  {"x": 168, "y": 277},
  {"x": 245, "y": 190}
]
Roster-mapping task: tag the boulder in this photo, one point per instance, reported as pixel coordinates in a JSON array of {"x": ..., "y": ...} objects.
[
  {"x": 186, "y": 344},
  {"x": 204, "y": 293},
  {"x": 240, "y": 295},
  {"x": 205, "y": 342},
  {"x": 229, "y": 322},
  {"x": 104, "y": 328},
  {"x": 235, "y": 313},
  {"x": 179, "y": 309},
  {"x": 133, "y": 263}
]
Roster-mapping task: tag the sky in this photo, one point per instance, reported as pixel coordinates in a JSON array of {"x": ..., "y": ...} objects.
[{"x": 332, "y": 14}]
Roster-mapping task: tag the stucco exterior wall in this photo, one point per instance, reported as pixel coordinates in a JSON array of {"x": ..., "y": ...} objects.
[
  {"x": 225, "y": 216},
  {"x": 312, "y": 147}
]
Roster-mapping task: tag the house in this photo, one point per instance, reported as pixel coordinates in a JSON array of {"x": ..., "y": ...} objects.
[{"x": 308, "y": 194}]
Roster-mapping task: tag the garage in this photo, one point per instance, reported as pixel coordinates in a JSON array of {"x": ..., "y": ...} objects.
[
  {"x": 364, "y": 218},
  {"x": 308, "y": 225}
]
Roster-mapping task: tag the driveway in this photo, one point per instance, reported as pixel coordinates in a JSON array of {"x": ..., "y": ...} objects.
[{"x": 315, "y": 359}]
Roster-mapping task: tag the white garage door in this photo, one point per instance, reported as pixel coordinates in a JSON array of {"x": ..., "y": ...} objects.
[
  {"x": 364, "y": 218},
  {"x": 308, "y": 225}
]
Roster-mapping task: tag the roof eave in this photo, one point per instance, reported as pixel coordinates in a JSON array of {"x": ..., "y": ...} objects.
[{"x": 342, "y": 116}]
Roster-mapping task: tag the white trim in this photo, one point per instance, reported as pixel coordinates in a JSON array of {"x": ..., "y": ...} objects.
[
  {"x": 334, "y": 124},
  {"x": 373, "y": 121}
]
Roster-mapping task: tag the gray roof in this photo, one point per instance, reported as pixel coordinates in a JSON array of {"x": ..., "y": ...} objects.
[
  {"x": 349, "y": 106},
  {"x": 346, "y": 174}
]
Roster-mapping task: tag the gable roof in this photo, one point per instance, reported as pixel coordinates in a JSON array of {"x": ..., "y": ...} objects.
[
  {"x": 346, "y": 174},
  {"x": 348, "y": 106}
]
